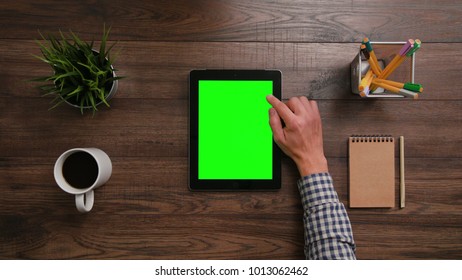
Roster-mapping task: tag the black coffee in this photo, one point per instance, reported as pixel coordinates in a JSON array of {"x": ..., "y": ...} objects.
[{"x": 80, "y": 170}]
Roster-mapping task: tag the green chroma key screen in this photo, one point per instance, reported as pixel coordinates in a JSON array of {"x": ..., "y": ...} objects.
[{"x": 235, "y": 139}]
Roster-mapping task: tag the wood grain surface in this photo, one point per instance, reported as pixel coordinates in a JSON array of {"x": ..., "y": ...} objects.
[{"x": 146, "y": 211}]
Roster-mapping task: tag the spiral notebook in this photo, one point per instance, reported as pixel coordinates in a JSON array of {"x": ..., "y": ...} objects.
[{"x": 372, "y": 171}]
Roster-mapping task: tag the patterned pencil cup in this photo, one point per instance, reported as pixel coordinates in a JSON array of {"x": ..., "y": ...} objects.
[{"x": 385, "y": 52}]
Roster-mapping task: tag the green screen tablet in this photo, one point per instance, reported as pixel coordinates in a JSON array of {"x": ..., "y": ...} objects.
[{"x": 231, "y": 143}]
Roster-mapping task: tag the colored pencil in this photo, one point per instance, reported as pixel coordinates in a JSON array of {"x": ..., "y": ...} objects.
[
  {"x": 396, "y": 90},
  {"x": 365, "y": 92},
  {"x": 366, "y": 86},
  {"x": 416, "y": 47},
  {"x": 397, "y": 60},
  {"x": 365, "y": 80},
  {"x": 406, "y": 48},
  {"x": 408, "y": 86},
  {"x": 376, "y": 77},
  {"x": 367, "y": 55},
  {"x": 373, "y": 62}
]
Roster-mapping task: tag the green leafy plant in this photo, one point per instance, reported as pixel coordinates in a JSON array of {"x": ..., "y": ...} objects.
[{"x": 81, "y": 75}]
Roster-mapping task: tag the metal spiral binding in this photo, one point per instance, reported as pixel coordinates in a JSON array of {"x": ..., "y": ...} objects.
[{"x": 371, "y": 138}]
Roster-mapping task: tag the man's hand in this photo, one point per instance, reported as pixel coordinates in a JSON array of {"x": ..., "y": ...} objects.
[{"x": 301, "y": 138}]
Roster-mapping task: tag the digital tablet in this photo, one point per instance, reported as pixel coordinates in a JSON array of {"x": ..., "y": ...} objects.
[{"x": 231, "y": 144}]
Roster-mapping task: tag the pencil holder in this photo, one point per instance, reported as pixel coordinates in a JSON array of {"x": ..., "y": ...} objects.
[{"x": 385, "y": 52}]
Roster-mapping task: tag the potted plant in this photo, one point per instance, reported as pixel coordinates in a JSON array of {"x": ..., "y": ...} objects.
[{"x": 82, "y": 76}]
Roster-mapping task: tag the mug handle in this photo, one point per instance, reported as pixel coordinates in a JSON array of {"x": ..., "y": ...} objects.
[{"x": 84, "y": 202}]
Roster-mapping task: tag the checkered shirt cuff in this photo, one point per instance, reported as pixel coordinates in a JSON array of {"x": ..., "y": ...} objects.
[
  {"x": 316, "y": 189},
  {"x": 328, "y": 233}
]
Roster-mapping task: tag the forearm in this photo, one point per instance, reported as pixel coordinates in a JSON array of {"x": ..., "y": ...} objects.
[{"x": 328, "y": 233}]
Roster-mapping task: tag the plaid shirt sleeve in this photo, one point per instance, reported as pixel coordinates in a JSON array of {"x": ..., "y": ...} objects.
[{"x": 328, "y": 233}]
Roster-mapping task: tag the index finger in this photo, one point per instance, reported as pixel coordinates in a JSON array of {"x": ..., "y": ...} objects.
[{"x": 283, "y": 111}]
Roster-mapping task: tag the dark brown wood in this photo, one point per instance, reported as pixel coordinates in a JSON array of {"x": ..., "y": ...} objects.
[
  {"x": 41, "y": 222},
  {"x": 146, "y": 210},
  {"x": 238, "y": 20},
  {"x": 160, "y": 69},
  {"x": 157, "y": 127},
  {"x": 138, "y": 187}
]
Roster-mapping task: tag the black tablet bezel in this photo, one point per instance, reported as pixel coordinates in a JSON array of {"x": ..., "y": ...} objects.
[{"x": 232, "y": 184}]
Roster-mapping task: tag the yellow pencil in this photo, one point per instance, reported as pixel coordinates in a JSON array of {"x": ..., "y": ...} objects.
[
  {"x": 397, "y": 60},
  {"x": 391, "y": 83},
  {"x": 391, "y": 67},
  {"x": 398, "y": 57},
  {"x": 365, "y": 91},
  {"x": 385, "y": 86},
  {"x": 373, "y": 59},
  {"x": 399, "y": 91},
  {"x": 408, "y": 86},
  {"x": 375, "y": 68},
  {"x": 365, "y": 80}
]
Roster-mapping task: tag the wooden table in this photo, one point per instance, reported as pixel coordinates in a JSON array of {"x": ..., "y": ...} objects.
[{"x": 146, "y": 210}]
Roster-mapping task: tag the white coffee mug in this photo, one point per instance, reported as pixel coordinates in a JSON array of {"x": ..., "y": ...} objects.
[{"x": 81, "y": 170}]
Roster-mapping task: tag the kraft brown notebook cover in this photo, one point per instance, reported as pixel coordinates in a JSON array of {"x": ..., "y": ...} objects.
[{"x": 372, "y": 171}]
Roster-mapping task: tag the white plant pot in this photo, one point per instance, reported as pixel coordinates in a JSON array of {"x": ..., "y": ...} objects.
[{"x": 109, "y": 96}]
